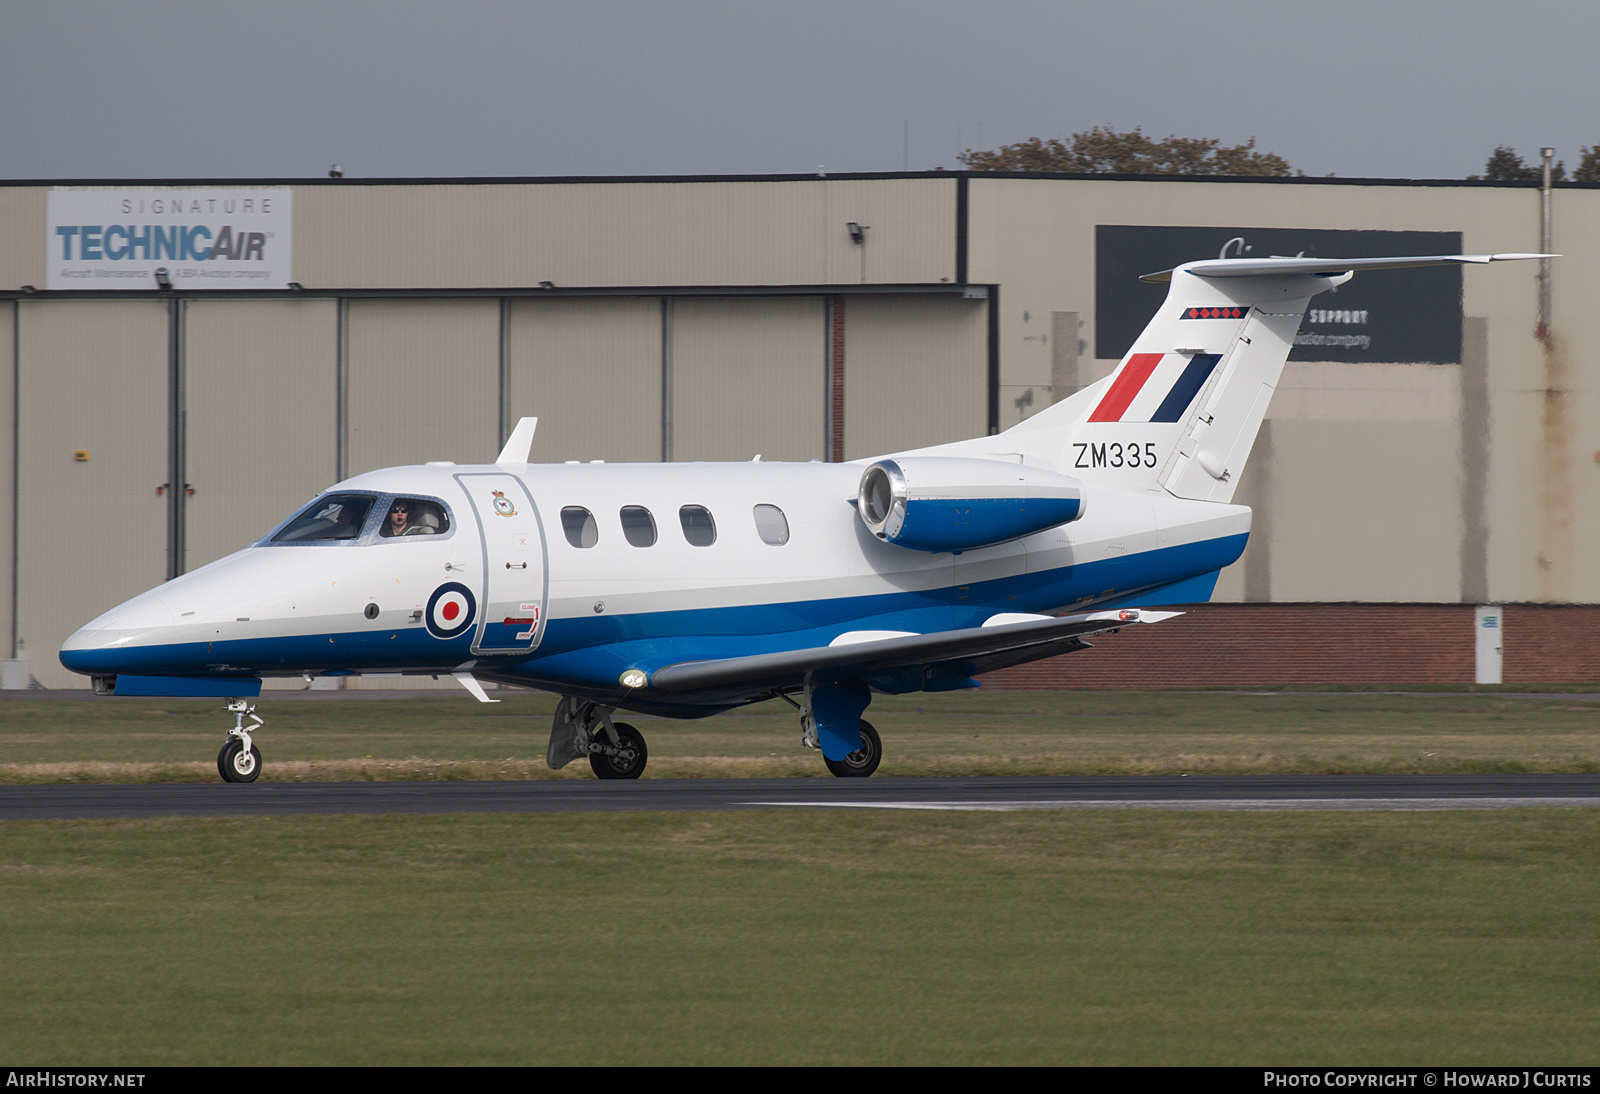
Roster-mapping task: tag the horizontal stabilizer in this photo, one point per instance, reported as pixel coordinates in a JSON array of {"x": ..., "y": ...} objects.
[
  {"x": 1271, "y": 267},
  {"x": 860, "y": 658}
]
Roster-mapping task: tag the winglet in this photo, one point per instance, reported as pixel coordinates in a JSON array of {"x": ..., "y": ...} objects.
[
  {"x": 469, "y": 681},
  {"x": 519, "y": 446}
]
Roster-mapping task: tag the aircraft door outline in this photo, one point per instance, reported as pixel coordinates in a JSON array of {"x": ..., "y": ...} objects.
[{"x": 512, "y": 542}]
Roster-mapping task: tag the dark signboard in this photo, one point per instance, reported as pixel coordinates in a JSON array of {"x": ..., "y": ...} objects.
[{"x": 1392, "y": 315}]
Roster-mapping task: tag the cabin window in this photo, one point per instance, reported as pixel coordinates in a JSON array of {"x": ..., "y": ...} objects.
[
  {"x": 638, "y": 526},
  {"x": 333, "y": 517},
  {"x": 771, "y": 525},
  {"x": 698, "y": 526},
  {"x": 413, "y": 517},
  {"x": 579, "y": 525}
]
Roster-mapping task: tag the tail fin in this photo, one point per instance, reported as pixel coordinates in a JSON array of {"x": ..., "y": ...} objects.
[{"x": 1183, "y": 407}]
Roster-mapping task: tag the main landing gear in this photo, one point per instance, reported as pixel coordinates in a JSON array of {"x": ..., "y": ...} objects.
[
  {"x": 616, "y": 750},
  {"x": 864, "y": 760},
  {"x": 826, "y": 718},
  {"x": 240, "y": 760}
]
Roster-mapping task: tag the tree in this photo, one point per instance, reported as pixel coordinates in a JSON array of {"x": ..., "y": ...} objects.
[
  {"x": 1589, "y": 166},
  {"x": 1505, "y": 165},
  {"x": 1100, "y": 151}
]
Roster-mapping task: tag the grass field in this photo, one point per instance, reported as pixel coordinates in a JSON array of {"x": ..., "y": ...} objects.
[
  {"x": 805, "y": 937},
  {"x": 1090, "y": 732},
  {"x": 809, "y": 937}
]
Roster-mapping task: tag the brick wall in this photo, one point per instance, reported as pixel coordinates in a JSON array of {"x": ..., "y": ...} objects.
[
  {"x": 1551, "y": 643},
  {"x": 1247, "y": 645}
]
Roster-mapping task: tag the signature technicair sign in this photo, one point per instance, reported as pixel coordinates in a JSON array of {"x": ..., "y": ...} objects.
[{"x": 202, "y": 239}]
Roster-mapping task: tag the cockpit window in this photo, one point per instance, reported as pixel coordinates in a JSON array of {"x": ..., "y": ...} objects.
[
  {"x": 414, "y": 517},
  {"x": 332, "y": 517}
]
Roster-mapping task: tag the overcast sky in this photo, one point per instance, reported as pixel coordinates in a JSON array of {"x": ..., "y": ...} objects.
[{"x": 215, "y": 89}]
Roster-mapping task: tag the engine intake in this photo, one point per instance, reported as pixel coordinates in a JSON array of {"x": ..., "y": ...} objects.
[{"x": 936, "y": 503}]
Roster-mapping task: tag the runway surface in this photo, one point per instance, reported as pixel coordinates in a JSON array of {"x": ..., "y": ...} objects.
[{"x": 1256, "y": 792}]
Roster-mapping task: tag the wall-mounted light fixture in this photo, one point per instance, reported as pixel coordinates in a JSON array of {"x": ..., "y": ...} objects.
[
  {"x": 858, "y": 232},
  {"x": 29, "y": 290},
  {"x": 163, "y": 279},
  {"x": 336, "y": 172},
  {"x": 547, "y": 285},
  {"x": 295, "y": 286}
]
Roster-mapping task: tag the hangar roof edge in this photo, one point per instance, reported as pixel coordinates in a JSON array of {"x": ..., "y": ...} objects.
[{"x": 559, "y": 180}]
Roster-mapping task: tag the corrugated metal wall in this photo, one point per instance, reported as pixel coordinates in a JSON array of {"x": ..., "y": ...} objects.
[
  {"x": 748, "y": 378},
  {"x": 94, "y": 532},
  {"x": 22, "y": 236},
  {"x": 639, "y": 233},
  {"x": 8, "y": 379},
  {"x": 424, "y": 382},
  {"x": 590, "y": 370},
  {"x": 261, "y": 416},
  {"x": 910, "y": 375}
]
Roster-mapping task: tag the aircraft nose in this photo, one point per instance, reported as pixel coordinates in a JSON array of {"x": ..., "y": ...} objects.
[{"x": 119, "y": 640}]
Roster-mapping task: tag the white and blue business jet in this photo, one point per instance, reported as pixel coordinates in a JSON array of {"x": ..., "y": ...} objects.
[{"x": 688, "y": 589}]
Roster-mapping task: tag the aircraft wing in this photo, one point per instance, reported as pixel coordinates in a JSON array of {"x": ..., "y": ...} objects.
[{"x": 973, "y": 649}]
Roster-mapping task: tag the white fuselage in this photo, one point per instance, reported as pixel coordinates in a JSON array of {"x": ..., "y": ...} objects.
[{"x": 586, "y": 613}]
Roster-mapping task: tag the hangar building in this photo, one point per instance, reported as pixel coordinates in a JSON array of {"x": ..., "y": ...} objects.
[{"x": 189, "y": 360}]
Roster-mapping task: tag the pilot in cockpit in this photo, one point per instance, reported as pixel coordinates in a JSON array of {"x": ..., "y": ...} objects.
[
  {"x": 397, "y": 523},
  {"x": 411, "y": 518}
]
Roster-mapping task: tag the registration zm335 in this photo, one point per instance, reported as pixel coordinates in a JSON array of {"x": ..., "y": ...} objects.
[{"x": 685, "y": 590}]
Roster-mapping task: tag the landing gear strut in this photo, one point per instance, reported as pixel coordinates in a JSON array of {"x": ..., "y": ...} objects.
[
  {"x": 240, "y": 760},
  {"x": 616, "y": 750},
  {"x": 829, "y": 713}
]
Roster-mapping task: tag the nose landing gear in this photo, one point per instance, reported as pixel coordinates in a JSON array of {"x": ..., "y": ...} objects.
[{"x": 240, "y": 760}]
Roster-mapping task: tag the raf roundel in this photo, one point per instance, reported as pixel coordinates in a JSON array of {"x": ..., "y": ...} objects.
[{"x": 451, "y": 610}]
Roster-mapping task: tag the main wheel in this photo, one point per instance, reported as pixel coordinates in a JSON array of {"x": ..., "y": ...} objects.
[
  {"x": 235, "y": 765},
  {"x": 629, "y": 764},
  {"x": 864, "y": 760}
]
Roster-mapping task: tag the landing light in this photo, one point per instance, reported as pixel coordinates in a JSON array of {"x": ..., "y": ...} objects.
[{"x": 634, "y": 678}]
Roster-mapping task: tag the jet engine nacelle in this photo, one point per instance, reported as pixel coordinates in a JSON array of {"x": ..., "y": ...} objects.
[{"x": 952, "y": 504}]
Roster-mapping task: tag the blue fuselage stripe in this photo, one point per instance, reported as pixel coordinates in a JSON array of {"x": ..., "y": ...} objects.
[{"x": 594, "y": 651}]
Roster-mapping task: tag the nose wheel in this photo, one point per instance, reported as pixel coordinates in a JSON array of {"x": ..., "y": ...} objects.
[
  {"x": 237, "y": 765},
  {"x": 240, "y": 760}
]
